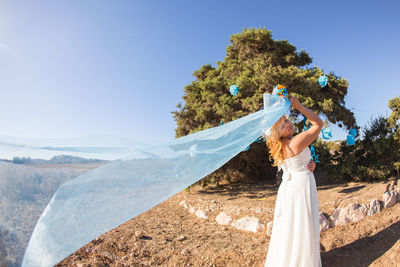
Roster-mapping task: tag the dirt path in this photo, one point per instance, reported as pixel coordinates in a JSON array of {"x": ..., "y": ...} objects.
[{"x": 168, "y": 235}]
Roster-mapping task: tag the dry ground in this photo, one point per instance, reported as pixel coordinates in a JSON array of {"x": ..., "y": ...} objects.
[{"x": 373, "y": 241}]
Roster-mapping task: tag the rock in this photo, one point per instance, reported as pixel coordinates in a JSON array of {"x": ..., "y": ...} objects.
[
  {"x": 234, "y": 210},
  {"x": 223, "y": 228},
  {"x": 185, "y": 251},
  {"x": 123, "y": 247},
  {"x": 202, "y": 214},
  {"x": 352, "y": 213},
  {"x": 259, "y": 210},
  {"x": 107, "y": 255},
  {"x": 323, "y": 222},
  {"x": 248, "y": 223},
  {"x": 396, "y": 194},
  {"x": 181, "y": 238},
  {"x": 269, "y": 228},
  {"x": 223, "y": 218},
  {"x": 359, "y": 211},
  {"x": 139, "y": 233},
  {"x": 391, "y": 185},
  {"x": 389, "y": 198},
  {"x": 191, "y": 209},
  {"x": 183, "y": 203},
  {"x": 374, "y": 207}
]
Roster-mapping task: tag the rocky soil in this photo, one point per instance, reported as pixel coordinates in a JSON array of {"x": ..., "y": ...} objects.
[{"x": 170, "y": 235}]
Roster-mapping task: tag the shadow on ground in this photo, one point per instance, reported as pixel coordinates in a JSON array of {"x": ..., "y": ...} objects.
[
  {"x": 352, "y": 189},
  {"x": 364, "y": 251},
  {"x": 247, "y": 190}
]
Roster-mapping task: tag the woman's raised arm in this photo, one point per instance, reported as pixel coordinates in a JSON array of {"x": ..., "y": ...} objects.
[{"x": 302, "y": 140}]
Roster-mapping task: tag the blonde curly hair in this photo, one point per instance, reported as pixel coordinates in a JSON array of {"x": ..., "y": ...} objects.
[{"x": 275, "y": 144}]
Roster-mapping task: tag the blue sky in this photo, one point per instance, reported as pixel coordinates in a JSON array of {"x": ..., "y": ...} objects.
[{"x": 76, "y": 68}]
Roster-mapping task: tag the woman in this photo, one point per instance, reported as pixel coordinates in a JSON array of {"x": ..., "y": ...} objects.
[{"x": 295, "y": 232}]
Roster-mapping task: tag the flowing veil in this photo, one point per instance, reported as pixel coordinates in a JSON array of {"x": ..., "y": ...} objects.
[{"x": 103, "y": 198}]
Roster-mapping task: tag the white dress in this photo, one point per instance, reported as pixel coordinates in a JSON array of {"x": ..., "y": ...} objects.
[{"x": 295, "y": 232}]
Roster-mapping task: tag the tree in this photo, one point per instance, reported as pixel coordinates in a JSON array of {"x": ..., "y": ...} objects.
[
  {"x": 374, "y": 157},
  {"x": 394, "y": 105},
  {"x": 256, "y": 63}
]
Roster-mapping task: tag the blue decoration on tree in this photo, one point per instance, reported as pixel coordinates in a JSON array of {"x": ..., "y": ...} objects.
[
  {"x": 234, "y": 89},
  {"x": 280, "y": 90},
  {"x": 326, "y": 133},
  {"x": 353, "y": 132},
  {"x": 323, "y": 80},
  {"x": 314, "y": 157},
  {"x": 306, "y": 126},
  {"x": 350, "y": 140},
  {"x": 351, "y": 137}
]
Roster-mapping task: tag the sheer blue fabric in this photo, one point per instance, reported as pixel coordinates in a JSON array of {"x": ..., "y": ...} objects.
[
  {"x": 103, "y": 198},
  {"x": 89, "y": 147}
]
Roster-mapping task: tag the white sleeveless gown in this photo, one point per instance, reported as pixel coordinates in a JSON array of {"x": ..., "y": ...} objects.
[{"x": 295, "y": 232}]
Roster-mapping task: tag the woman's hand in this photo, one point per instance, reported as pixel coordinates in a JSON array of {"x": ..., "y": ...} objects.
[
  {"x": 311, "y": 166},
  {"x": 295, "y": 102}
]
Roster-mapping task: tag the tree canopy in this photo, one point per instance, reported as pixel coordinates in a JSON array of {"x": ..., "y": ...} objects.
[
  {"x": 255, "y": 62},
  {"x": 394, "y": 105}
]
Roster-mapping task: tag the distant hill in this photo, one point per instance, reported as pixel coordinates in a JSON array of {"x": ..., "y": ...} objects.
[
  {"x": 89, "y": 147},
  {"x": 60, "y": 159},
  {"x": 25, "y": 190}
]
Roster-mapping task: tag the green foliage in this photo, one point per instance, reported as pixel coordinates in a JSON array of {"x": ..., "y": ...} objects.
[
  {"x": 396, "y": 166},
  {"x": 394, "y": 105},
  {"x": 374, "y": 157},
  {"x": 256, "y": 63}
]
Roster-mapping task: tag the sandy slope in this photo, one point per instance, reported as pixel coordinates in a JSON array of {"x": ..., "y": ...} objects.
[{"x": 372, "y": 241}]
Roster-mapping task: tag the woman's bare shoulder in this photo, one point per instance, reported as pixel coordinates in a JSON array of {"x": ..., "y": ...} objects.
[
  {"x": 302, "y": 140},
  {"x": 291, "y": 148}
]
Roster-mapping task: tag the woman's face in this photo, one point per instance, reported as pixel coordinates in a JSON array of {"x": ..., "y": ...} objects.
[{"x": 285, "y": 128}]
